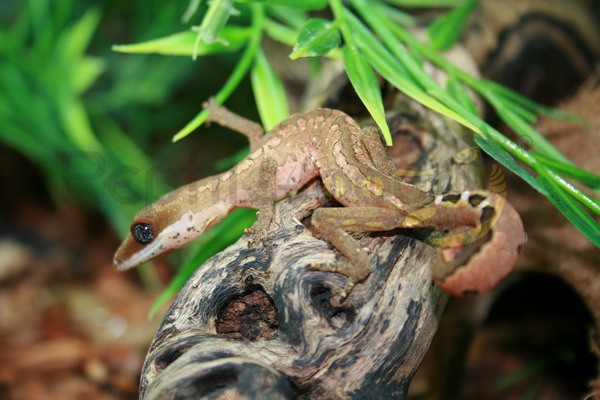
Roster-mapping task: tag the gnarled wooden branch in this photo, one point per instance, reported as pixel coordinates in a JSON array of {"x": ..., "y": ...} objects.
[{"x": 255, "y": 323}]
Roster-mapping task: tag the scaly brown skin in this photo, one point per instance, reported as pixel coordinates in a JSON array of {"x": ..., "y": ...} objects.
[{"x": 482, "y": 233}]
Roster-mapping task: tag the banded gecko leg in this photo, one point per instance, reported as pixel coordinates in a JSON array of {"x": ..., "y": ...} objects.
[{"x": 481, "y": 237}]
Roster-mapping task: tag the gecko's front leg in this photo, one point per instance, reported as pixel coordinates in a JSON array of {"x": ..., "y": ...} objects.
[
  {"x": 263, "y": 200},
  {"x": 333, "y": 224},
  {"x": 227, "y": 119}
]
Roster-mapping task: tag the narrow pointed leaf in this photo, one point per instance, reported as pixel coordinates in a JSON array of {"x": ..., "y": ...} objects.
[
  {"x": 316, "y": 38},
  {"x": 487, "y": 144},
  {"x": 446, "y": 31},
  {"x": 190, "y": 11},
  {"x": 213, "y": 23},
  {"x": 268, "y": 92},
  {"x": 365, "y": 83},
  {"x": 426, "y": 3},
  {"x": 460, "y": 93},
  {"x": 571, "y": 209},
  {"x": 588, "y": 178},
  {"x": 395, "y": 73},
  {"x": 299, "y": 4},
  {"x": 184, "y": 43}
]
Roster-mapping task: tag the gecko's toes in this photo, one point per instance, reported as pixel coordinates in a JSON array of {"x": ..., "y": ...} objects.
[
  {"x": 346, "y": 292},
  {"x": 256, "y": 238},
  {"x": 335, "y": 268}
]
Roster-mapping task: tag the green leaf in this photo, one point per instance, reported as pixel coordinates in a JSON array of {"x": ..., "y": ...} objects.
[
  {"x": 399, "y": 17},
  {"x": 292, "y": 17},
  {"x": 396, "y": 73},
  {"x": 269, "y": 93},
  {"x": 281, "y": 33},
  {"x": 571, "y": 209},
  {"x": 77, "y": 124},
  {"x": 316, "y": 38},
  {"x": 515, "y": 121},
  {"x": 190, "y": 11},
  {"x": 236, "y": 76},
  {"x": 299, "y": 4},
  {"x": 446, "y": 31},
  {"x": 460, "y": 93},
  {"x": 209, "y": 31},
  {"x": 88, "y": 70},
  {"x": 365, "y": 84},
  {"x": 184, "y": 43},
  {"x": 487, "y": 144},
  {"x": 426, "y": 3},
  {"x": 588, "y": 178},
  {"x": 523, "y": 102},
  {"x": 74, "y": 40}
]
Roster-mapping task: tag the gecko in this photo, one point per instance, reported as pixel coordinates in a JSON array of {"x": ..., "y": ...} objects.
[{"x": 480, "y": 233}]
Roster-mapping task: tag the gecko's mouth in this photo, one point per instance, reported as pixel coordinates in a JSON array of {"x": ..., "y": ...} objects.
[
  {"x": 123, "y": 265},
  {"x": 131, "y": 254}
]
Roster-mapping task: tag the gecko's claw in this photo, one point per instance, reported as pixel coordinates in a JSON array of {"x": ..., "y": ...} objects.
[
  {"x": 346, "y": 292},
  {"x": 257, "y": 237},
  {"x": 336, "y": 268}
]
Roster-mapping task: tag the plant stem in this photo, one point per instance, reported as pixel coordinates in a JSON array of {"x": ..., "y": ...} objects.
[{"x": 238, "y": 73}]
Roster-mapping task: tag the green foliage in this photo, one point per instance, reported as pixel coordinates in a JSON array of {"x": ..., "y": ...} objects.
[
  {"x": 186, "y": 44},
  {"x": 446, "y": 31},
  {"x": 43, "y": 115},
  {"x": 270, "y": 93},
  {"x": 299, "y": 4},
  {"x": 53, "y": 106},
  {"x": 383, "y": 44},
  {"x": 316, "y": 38},
  {"x": 54, "y": 112},
  {"x": 365, "y": 83}
]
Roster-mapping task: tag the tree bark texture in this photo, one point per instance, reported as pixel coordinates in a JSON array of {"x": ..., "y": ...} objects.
[{"x": 256, "y": 323}]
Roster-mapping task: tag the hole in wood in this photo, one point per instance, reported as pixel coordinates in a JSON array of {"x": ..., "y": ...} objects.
[
  {"x": 337, "y": 317},
  {"x": 252, "y": 316}
]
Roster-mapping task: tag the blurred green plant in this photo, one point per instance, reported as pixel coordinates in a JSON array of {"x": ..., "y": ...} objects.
[
  {"x": 63, "y": 108},
  {"x": 44, "y": 74},
  {"x": 377, "y": 39},
  {"x": 536, "y": 372},
  {"x": 52, "y": 112}
]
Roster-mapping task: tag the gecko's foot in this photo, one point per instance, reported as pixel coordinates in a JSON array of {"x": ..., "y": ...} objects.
[
  {"x": 340, "y": 268},
  {"x": 257, "y": 237},
  {"x": 346, "y": 292},
  {"x": 259, "y": 231}
]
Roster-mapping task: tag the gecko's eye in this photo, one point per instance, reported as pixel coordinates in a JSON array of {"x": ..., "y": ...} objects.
[{"x": 142, "y": 232}]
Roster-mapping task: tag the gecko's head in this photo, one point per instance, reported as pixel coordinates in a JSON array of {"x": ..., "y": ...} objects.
[{"x": 156, "y": 231}]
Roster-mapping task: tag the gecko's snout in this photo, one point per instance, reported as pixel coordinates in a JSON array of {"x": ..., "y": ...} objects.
[
  {"x": 119, "y": 263},
  {"x": 127, "y": 255}
]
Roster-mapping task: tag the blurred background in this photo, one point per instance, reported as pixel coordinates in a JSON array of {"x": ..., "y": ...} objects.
[{"x": 85, "y": 141}]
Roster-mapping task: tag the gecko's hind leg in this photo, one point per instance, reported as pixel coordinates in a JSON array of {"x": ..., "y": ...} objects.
[
  {"x": 334, "y": 224},
  {"x": 222, "y": 116}
]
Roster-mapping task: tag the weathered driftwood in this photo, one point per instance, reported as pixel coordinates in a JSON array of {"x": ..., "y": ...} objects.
[{"x": 255, "y": 323}]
